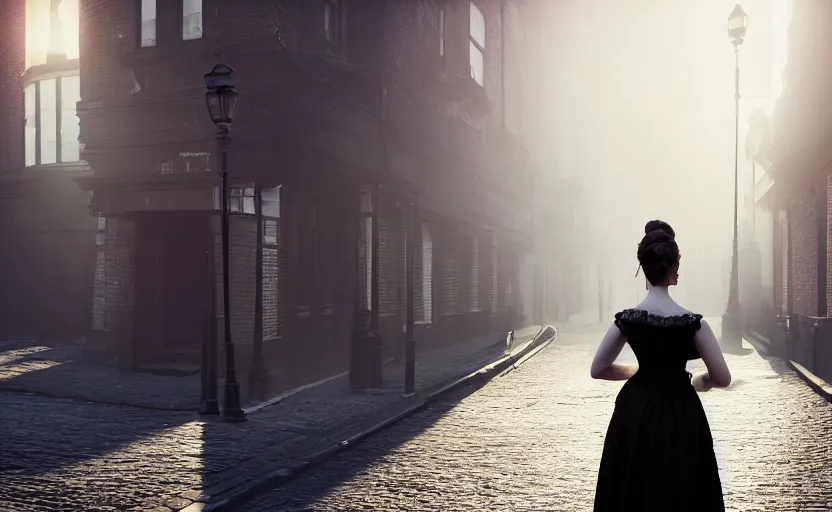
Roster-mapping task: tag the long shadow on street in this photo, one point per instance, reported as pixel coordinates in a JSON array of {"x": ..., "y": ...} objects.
[{"x": 353, "y": 464}]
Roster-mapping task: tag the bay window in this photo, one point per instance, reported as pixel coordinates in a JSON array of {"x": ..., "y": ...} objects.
[{"x": 51, "y": 121}]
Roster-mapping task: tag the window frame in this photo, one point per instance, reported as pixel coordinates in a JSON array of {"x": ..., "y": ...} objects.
[
  {"x": 201, "y": 13},
  {"x": 473, "y": 44},
  {"x": 141, "y": 21},
  {"x": 34, "y": 78},
  {"x": 272, "y": 241}
]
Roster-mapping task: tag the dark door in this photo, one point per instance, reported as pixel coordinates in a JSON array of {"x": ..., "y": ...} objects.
[
  {"x": 185, "y": 283},
  {"x": 172, "y": 286}
]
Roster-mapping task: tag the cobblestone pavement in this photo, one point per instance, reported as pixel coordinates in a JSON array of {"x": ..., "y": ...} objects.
[
  {"x": 61, "y": 454},
  {"x": 73, "y": 370},
  {"x": 532, "y": 440}
]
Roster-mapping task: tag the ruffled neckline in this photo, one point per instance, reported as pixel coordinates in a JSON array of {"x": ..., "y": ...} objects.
[{"x": 643, "y": 317}]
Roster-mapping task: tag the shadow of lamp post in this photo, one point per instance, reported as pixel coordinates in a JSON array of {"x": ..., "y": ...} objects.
[
  {"x": 221, "y": 98},
  {"x": 731, "y": 330}
]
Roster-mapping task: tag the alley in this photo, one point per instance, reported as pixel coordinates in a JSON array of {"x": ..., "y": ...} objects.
[{"x": 531, "y": 440}]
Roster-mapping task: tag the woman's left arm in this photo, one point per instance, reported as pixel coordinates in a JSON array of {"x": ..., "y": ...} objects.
[{"x": 603, "y": 366}]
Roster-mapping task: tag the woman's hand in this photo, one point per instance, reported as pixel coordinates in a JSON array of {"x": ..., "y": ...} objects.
[{"x": 702, "y": 383}]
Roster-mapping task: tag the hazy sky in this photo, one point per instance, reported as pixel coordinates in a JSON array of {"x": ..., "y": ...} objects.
[{"x": 644, "y": 114}]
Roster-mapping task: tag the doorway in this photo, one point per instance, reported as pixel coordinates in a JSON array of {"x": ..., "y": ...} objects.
[{"x": 172, "y": 286}]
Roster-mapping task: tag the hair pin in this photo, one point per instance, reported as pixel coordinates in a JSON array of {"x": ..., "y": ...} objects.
[{"x": 637, "y": 270}]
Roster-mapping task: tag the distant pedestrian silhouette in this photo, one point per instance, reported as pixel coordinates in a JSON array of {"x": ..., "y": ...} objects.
[{"x": 658, "y": 454}]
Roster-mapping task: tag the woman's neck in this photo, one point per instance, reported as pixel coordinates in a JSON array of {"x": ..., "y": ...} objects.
[{"x": 659, "y": 292}]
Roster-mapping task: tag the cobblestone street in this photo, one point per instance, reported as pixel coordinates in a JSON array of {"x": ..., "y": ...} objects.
[
  {"x": 532, "y": 439},
  {"x": 74, "y": 453}
]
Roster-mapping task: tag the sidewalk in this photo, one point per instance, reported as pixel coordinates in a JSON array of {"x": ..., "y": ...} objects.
[{"x": 141, "y": 459}]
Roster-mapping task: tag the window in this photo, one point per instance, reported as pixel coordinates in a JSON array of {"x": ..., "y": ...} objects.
[
  {"x": 332, "y": 22},
  {"x": 148, "y": 28},
  {"x": 51, "y": 121},
  {"x": 101, "y": 233},
  {"x": 241, "y": 200},
  {"x": 270, "y": 203},
  {"x": 51, "y": 31},
  {"x": 441, "y": 29},
  {"x": 476, "y": 44},
  {"x": 31, "y": 127},
  {"x": 191, "y": 20},
  {"x": 70, "y": 124}
]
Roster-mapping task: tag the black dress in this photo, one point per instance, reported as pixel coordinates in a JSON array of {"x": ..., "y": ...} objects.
[{"x": 658, "y": 453}]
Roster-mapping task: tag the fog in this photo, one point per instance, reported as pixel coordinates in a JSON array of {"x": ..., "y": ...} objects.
[{"x": 641, "y": 112}]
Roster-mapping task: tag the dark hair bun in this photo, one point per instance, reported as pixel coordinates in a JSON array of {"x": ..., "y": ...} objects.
[
  {"x": 658, "y": 252},
  {"x": 659, "y": 225}
]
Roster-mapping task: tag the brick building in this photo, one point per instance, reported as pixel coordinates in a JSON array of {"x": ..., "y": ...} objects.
[
  {"x": 793, "y": 158},
  {"x": 349, "y": 112}
]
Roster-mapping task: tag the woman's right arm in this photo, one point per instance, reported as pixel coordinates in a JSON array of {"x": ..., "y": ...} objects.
[{"x": 708, "y": 347}]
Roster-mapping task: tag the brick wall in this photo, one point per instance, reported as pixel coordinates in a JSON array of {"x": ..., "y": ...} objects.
[
  {"x": 12, "y": 62},
  {"x": 780, "y": 259},
  {"x": 802, "y": 235},
  {"x": 241, "y": 276},
  {"x": 119, "y": 275}
]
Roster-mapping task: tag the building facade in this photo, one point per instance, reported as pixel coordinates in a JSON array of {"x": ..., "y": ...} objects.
[
  {"x": 47, "y": 236},
  {"x": 793, "y": 159},
  {"x": 360, "y": 123}
]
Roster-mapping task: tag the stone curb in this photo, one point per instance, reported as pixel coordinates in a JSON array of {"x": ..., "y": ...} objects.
[
  {"x": 819, "y": 385},
  {"x": 475, "y": 380}
]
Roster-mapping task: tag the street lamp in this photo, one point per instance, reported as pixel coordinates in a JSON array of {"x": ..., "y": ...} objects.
[
  {"x": 221, "y": 99},
  {"x": 731, "y": 320}
]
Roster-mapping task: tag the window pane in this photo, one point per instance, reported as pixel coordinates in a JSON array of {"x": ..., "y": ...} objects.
[
  {"x": 31, "y": 129},
  {"x": 48, "y": 122},
  {"x": 148, "y": 22},
  {"x": 70, "y": 125},
  {"x": 271, "y": 202},
  {"x": 37, "y": 33},
  {"x": 191, "y": 19},
  {"x": 248, "y": 205},
  {"x": 476, "y": 63},
  {"x": 68, "y": 14},
  {"x": 477, "y": 26}
]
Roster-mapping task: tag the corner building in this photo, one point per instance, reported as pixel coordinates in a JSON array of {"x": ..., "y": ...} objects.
[{"x": 349, "y": 112}]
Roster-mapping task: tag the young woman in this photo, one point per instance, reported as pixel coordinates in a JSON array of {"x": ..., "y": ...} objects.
[{"x": 658, "y": 454}]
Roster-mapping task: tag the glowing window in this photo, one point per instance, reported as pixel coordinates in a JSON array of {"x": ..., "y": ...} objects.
[{"x": 51, "y": 31}]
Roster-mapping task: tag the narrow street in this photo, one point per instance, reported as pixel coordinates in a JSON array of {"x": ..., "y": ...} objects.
[{"x": 532, "y": 439}]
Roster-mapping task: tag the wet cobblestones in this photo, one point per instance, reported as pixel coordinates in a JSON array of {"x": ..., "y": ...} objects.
[{"x": 532, "y": 440}]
